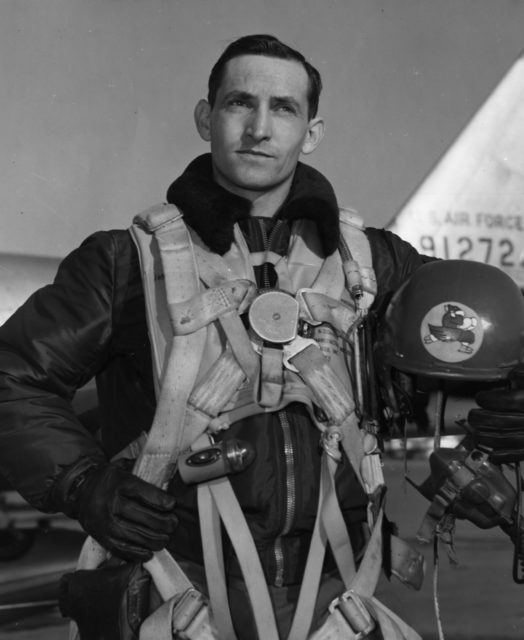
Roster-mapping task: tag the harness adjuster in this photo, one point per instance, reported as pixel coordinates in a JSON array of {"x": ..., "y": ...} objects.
[
  {"x": 186, "y": 610},
  {"x": 293, "y": 348},
  {"x": 355, "y": 613},
  {"x": 330, "y": 442}
]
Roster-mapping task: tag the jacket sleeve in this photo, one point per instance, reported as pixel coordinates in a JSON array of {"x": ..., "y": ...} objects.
[
  {"x": 49, "y": 348},
  {"x": 394, "y": 260}
]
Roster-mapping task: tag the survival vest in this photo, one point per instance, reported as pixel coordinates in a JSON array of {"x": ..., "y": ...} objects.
[{"x": 301, "y": 345}]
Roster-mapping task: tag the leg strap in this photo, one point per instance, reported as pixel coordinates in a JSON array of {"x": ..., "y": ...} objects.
[
  {"x": 329, "y": 526},
  {"x": 355, "y": 614},
  {"x": 217, "y": 495}
]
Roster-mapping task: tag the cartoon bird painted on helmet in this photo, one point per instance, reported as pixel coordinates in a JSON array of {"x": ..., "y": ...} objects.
[{"x": 456, "y": 327}]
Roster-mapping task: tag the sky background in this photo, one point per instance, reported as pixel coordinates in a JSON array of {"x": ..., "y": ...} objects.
[{"x": 97, "y": 98}]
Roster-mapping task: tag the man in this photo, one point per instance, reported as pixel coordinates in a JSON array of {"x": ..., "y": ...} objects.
[{"x": 259, "y": 118}]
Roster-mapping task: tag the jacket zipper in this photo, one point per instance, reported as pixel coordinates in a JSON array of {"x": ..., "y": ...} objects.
[
  {"x": 289, "y": 481},
  {"x": 289, "y": 487},
  {"x": 267, "y": 241}
]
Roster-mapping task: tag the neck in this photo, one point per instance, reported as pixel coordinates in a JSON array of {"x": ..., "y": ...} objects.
[{"x": 266, "y": 205}]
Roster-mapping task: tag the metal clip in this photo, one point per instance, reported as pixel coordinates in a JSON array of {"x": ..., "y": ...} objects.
[
  {"x": 293, "y": 348},
  {"x": 355, "y": 613},
  {"x": 371, "y": 465},
  {"x": 330, "y": 442},
  {"x": 186, "y": 610},
  {"x": 305, "y": 312}
]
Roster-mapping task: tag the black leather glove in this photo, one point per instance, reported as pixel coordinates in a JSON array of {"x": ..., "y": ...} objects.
[
  {"x": 468, "y": 486},
  {"x": 499, "y": 422},
  {"x": 129, "y": 517}
]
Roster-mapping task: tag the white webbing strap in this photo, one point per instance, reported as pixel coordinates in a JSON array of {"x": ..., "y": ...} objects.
[
  {"x": 217, "y": 495},
  {"x": 170, "y": 620},
  {"x": 166, "y": 436},
  {"x": 336, "y": 627},
  {"x": 215, "y": 273},
  {"x": 164, "y": 442},
  {"x": 207, "y": 306},
  {"x": 328, "y": 280},
  {"x": 362, "y": 587},
  {"x": 271, "y": 384},
  {"x": 214, "y": 391},
  {"x": 315, "y": 371},
  {"x": 214, "y": 563},
  {"x": 323, "y": 308},
  {"x": 333, "y": 398},
  {"x": 329, "y": 526}
]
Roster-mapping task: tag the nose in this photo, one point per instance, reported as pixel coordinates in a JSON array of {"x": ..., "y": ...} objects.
[{"x": 258, "y": 126}]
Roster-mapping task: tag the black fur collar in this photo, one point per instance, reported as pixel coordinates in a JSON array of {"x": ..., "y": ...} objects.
[{"x": 212, "y": 211}]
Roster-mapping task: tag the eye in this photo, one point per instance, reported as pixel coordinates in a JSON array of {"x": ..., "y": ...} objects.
[
  {"x": 285, "y": 108},
  {"x": 237, "y": 103}
]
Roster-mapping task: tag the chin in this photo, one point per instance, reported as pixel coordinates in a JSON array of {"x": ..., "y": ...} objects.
[{"x": 257, "y": 181}]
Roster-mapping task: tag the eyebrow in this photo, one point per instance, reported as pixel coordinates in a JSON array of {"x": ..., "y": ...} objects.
[{"x": 243, "y": 95}]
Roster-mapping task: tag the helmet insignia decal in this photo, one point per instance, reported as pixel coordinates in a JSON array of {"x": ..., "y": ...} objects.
[{"x": 451, "y": 332}]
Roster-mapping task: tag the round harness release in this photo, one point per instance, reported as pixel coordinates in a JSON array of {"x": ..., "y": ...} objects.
[{"x": 273, "y": 316}]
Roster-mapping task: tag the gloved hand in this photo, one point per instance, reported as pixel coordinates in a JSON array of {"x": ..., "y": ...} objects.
[
  {"x": 499, "y": 422},
  {"x": 129, "y": 517},
  {"x": 468, "y": 486}
]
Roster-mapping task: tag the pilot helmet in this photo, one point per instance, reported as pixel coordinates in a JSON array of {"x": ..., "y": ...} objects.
[{"x": 455, "y": 319}]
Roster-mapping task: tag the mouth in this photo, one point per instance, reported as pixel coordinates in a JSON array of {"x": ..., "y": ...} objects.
[{"x": 254, "y": 153}]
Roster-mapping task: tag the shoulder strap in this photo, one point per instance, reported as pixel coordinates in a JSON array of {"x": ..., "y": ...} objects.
[
  {"x": 163, "y": 443},
  {"x": 185, "y": 351},
  {"x": 153, "y": 278}
]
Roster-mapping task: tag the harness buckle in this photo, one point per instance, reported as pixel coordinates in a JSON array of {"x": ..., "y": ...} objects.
[
  {"x": 293, "y": 348},
  {"x": 355, "y": 613},
  {"x": 190, "y": 604},
  {"x": 305, "y": 311}
]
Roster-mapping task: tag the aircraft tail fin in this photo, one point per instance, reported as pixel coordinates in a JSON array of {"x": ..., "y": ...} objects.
[{"x": 471, "y": 205}]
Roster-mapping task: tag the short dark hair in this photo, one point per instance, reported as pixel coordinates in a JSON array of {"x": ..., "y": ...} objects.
[{"x": 271, "y": 47}]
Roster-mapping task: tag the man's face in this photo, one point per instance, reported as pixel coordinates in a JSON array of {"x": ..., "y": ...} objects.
[{"x": 259, "y": 124}]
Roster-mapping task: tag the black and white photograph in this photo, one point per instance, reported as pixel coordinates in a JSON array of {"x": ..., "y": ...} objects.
[{"x": 262, "y": 320}]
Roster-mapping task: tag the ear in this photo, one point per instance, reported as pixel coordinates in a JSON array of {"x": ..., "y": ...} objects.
[
  {"x": 202, "y": 115},
  {"x": 314, "y": 135}
]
